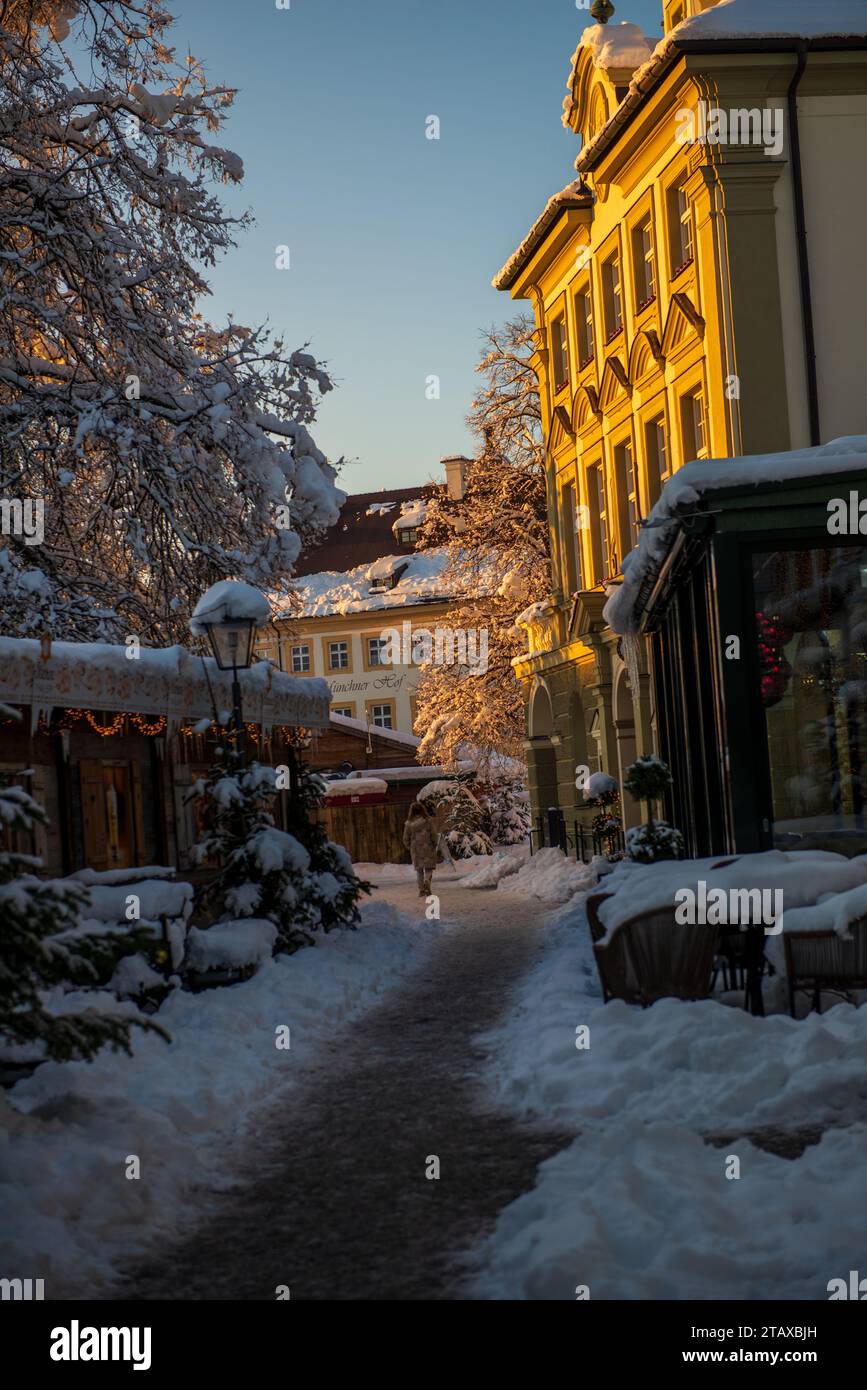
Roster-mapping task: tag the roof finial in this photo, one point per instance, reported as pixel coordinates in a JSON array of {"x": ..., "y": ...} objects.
[{"x": 601, "y": 11}]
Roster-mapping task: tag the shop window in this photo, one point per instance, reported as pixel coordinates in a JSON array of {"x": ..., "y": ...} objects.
[
  {"x": 811, "y": 611},
  {"x": 560, "y": 351}
]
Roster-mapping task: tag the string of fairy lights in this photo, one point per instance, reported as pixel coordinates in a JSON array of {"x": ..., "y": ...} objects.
[{"x": 109, "y": 725}]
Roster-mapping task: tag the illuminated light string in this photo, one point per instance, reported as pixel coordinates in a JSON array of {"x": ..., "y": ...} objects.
[{"x": 152, "y": 728}]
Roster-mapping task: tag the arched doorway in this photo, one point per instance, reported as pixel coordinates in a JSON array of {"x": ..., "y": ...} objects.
[
  {"x": 627, "y": 748},
  {"x": 541, "y": 752}
]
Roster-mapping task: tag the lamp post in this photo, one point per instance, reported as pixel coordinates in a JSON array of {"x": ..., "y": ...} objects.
[{"x": 229, "y": 615}]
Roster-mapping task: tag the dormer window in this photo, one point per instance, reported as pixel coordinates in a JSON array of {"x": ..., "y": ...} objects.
[{"x": 384, "y": 574}]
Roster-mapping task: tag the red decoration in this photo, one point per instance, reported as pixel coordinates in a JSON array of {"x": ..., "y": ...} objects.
[{"x": 775, "y": 669}]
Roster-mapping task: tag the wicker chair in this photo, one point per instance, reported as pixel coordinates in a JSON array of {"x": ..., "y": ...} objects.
[
  {"x": 615, "y": 971},
  {"x": 822, "y": 960},
  {"x": 651, "y": 956}
]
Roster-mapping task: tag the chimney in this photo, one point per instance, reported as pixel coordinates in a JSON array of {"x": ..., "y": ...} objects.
[{"x": 456, "y": 467}]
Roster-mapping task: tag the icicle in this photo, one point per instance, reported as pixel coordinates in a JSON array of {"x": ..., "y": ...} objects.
[{"x": 630, "y": 645}]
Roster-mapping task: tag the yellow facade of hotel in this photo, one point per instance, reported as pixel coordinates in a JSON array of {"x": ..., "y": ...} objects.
[{"x": 678, "y": 317}]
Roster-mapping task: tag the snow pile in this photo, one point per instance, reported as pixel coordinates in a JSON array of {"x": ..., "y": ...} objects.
[
  {"x": 356, "y": 786},
  {"x": 156, "y": 897},
  {"x": 551, "y": 877},
  {"x": 646, "y": 1212},
  {"x": 639, "y": 1205},
  {"x": 504, "y": 863},
  {"x": 803, "y": 878},
  {"x": 231, "y": 944},
  {"x": 620, "y": 45},
  {"x": 75, "y": 1217},
  {"x": 685, "y": 490}
]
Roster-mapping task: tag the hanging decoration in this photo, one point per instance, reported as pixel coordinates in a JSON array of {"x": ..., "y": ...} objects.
[{"x": 774, "y": 668}]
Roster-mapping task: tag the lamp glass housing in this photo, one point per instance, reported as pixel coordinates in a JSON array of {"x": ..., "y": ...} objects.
[{"x": 232, "y": 643}]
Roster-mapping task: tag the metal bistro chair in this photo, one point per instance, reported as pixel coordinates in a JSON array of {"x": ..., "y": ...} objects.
[{"x": 822, "y": 960}]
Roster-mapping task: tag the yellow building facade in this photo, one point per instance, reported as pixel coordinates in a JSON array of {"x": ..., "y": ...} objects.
[{"x": 690, "y": 302}]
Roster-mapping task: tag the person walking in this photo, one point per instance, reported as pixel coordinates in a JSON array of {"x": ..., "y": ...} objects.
[{"x": 420, "y": 838}]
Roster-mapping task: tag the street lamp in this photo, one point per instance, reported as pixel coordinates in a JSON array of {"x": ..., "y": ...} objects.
[{"x": 229, "y": 615}]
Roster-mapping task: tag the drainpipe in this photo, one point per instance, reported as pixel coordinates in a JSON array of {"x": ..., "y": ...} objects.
[{"x": 803, "y": 255}]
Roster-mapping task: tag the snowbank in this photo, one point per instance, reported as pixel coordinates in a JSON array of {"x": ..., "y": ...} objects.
[
  {"x": 505, "y": 862},
  {"x": 646, "y": 1212},
  {"x": 551, "y": 877},
  {"x": 71, "y": 1216},
  {"x": 231, "y": 944},
  {"x": 639, "y": 1205}
]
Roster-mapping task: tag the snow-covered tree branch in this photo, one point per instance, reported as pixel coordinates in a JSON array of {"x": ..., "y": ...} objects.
[
  {"x": 168, "y": 452},
  {"x": 497, "y": 544}
]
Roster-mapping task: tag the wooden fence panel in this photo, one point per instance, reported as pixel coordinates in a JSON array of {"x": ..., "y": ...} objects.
[{"x": 369, "y": 834}]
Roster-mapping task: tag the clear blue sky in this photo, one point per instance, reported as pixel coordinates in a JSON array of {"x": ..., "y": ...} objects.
[{"x": 393, "y": 237}]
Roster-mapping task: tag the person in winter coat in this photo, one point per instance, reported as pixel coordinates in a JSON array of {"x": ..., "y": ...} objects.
[{"x": 420, "y": 837}]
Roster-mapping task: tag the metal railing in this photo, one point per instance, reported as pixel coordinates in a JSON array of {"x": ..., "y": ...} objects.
[{"x": 550, "y": 831}]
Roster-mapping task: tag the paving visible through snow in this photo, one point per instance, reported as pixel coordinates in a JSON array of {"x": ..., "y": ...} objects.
[{"x": 337, "y": 1205}]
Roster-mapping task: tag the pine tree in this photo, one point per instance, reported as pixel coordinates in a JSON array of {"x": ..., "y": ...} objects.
[
  {"x": 496, "y": 542},
  {"x": 506, "y": 812},
  {"x": 459, "y": 817},
  {"x": 41, "y": 950},
  {"x": 169, "y": 452},
  {"x": 296, "y": 878}
]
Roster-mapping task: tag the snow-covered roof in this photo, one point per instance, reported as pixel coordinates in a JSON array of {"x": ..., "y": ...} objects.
[
  {"x": 691, "y": 483},
  {"x": 612, "y": 47},
  {"x": 360, "y": 785},
  {"x": 732, "y": 21},
  {"x": 390, "y": 735},
  {"x": 349, "y": 592},
  {"x": 574, "y": 195},
  {"x": 412, "y": 514},
  {"x": 166, "y": 681}
]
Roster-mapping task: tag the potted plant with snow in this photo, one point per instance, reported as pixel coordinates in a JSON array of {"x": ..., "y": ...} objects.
[
  {"x": 602, "y": 793},
  {"x": 648, "y": 779}
]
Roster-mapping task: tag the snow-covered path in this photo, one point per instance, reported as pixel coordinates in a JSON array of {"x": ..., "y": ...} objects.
[{"x": 338, "y": 1204}]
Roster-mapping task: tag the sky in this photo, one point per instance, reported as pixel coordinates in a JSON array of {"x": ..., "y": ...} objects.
[{"x": 393, "y": 237}]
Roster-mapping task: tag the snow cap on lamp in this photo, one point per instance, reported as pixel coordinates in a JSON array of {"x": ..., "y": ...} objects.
[{"x": 228, "y": 614}]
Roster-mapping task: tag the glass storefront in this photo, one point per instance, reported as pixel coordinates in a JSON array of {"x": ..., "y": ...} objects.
[{"x": 810, "y": 609}]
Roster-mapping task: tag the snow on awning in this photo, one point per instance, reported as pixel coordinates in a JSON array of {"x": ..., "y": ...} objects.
[
  {"x": 686, "y": 490},
  {"x": 167, "y": 681}
]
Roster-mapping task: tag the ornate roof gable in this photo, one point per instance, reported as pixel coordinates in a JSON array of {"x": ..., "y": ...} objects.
[{"x": 602, "y": 66}]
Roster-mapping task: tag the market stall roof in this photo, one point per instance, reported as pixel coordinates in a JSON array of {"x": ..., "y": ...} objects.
[{"x": 166, "y": 681}]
